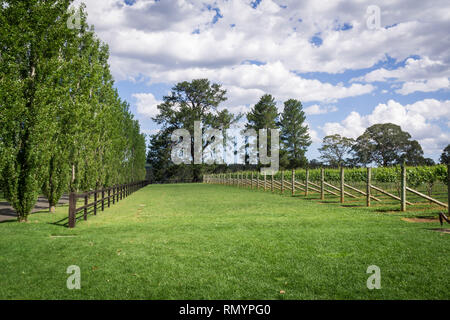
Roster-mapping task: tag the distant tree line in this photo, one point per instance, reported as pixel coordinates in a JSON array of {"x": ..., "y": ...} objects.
[
  {"x": 199, "y": 100},
  {"x": 62, "y": 124},
  {"x": 381, "y": 144}
]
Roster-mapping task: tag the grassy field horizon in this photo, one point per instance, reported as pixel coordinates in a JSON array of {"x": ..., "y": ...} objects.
[{"x": 199, "y": 241}]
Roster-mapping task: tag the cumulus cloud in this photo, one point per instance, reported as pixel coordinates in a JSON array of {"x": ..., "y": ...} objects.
[
  {"x": 419, "y": 119},
  {"x": 250, "y": 80},
  {"x": 315, "y": 109},
  {"x": 422, "y": 74},
  {"x": 146, "y": 104},
  {"x": 271, "y": 46},
  {"x": 153, "y": 35}
]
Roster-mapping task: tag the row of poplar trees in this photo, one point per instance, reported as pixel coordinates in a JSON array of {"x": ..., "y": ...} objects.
[{"x": 63, "y": 126}]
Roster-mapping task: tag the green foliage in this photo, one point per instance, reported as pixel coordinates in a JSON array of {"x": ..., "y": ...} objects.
[
  {"x": 264, "y": 114},
  {"x": 415, "y": 175},
  {"x": 188, "y": 102},
  {"x": 335, "y": 148},
  {"x": 62, "y": 123},
  {"x": 445, "y": 156},
  {"x": 386, "y": 144},
  {"x": 294, "y": 135}
]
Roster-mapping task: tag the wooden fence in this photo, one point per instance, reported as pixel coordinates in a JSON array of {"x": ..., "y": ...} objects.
[
  {"x": 323, "y": 187},
  {"x": 103, "y": 197}
]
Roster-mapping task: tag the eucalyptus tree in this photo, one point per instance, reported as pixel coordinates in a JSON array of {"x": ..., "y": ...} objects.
[
  {"x": 335, "y": 148},
  {"x": 188, "y": 102},
  {"x": 387, "y": 144}
]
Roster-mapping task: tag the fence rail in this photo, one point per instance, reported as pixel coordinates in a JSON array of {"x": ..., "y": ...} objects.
[
  {"x": 323, "y": 187},
  {"x": 107, "y": 195}
]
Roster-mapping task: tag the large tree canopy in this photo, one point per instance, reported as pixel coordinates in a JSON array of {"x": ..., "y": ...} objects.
[
  {"x": 335, "y": 148},
  {"x": 386, "y": 144},
  {"x": 188, "y": 102}
]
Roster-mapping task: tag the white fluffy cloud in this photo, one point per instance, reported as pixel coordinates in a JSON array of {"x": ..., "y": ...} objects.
[
  {"x": 418, "y": 119},
  {"x": 417, "y": 75},
  {"x": 146, "y": 104},
  {"x": 269, "y": 49},
  {"x": 152, "y": 38},
  {"x": 315, "y": 109}
]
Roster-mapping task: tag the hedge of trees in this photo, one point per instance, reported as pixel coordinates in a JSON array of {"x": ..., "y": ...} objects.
[{"x": 62, "y": 124}]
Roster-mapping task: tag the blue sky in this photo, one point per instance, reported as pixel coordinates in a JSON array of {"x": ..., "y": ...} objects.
[{"x": 349, "y": 73}]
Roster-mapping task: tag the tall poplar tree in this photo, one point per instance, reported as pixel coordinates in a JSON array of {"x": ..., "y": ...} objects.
[{"x": 31, "y": 36}]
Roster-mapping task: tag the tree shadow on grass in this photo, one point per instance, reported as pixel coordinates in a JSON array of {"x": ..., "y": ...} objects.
[
  {"x": 65, "y": 221},
  {"x": 442, "y": 230}
]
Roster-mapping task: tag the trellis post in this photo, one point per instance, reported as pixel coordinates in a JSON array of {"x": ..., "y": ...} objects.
[
  {"x": 368, "y": 187},
  {"x": 322, "y": 184},
  {"x": 271, "y": 183},
  {"x": 265, "y": 181},
  {"x": 342, "y": 184},
  {"x": 403, "y": 191},
  {"x": 448, "y": 187},
  {"x": 257, "y": 180},
  {"x": 293, "y": 182},
  {"x": 307, "y": 182}
]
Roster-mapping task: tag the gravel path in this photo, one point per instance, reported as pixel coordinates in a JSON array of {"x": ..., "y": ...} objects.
[{"x": 8, "y": 213}]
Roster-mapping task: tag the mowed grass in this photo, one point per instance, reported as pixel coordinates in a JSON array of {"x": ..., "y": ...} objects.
[{"x": 197, "y": 241}]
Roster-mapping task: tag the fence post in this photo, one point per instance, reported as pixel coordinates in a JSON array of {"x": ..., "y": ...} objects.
[
  {"x": 114, "y": 194},
  {"x": 85, "y": 208},
  {"x": 251, "y": 183},
  {"x": 95, "y": 202},
  {"x": 293, "y": 182},
  {"x": 307, "y": 182},
  {"x": 448, "y": 187},
  {"x": 369, "y": 183},
  {"x": 342, "y": 184},
  {"x": 403, "y": 191},
  {"x": 271, "y": 183},
  {"x": 282, "y": 182},
  {"x": 72, "y": 209},
  {"x": 257, "y": 180},
  {"x": 322, "y": 184},
  {"x": 103, "y": 199},
  {"x": 265, "y": 181},
  {"x": 109, "y": 197}
]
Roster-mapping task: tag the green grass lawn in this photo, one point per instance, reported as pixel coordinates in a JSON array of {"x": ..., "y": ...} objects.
[{"x": 219, "y": 242}]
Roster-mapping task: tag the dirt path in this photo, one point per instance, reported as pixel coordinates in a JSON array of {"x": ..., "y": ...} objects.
[{"x": 8, "y": 213}]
